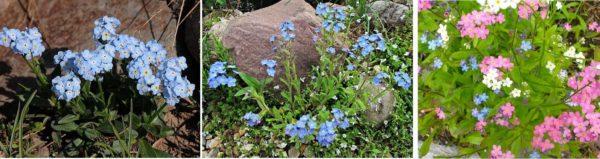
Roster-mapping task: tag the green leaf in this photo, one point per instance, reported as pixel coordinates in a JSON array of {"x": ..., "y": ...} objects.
[
  {"x": 251, "y": 81},
  {"x": 91, "y": 133},
  {"x": 146, "y": 150},
  {"x": 425, "y": 147},
  {"x": 474, "y": 139},
  {"x": 68, "y": 119},
  {"x": 67, "y": 127}
]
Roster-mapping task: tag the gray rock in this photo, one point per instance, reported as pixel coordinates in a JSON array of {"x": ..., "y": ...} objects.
[
  {"x": 381, "y": 104},
  {"x": 224, "y": 18},
  {"x": 293, "y": 152},
  {"x": 437, "y": 150},
  {"x": 248, "y": 37},
  {"x": 392, "y": 14}
]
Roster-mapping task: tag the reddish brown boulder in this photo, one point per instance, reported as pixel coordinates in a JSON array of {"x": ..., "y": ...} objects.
[{"x": 248, "y": 37}]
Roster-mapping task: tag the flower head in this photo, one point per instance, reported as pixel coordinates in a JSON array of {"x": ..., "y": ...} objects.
[
  {"x": 270, "y": 64},
  {"x": 403, "y": 80},
  {"x": 66, "y": 87},
  {"x": 252, "y": 119}
]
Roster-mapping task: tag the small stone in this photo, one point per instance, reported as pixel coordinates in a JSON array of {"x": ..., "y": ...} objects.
[
  {"x": 213, "y": 153},
  {"x": 282, "y": 145},
  {"x": 214, "y": 143},
  {"x": 293, "y": 152},
  {"x": 248, "y": 147}
]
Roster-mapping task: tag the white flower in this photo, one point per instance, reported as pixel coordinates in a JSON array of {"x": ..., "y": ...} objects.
[
  {"x": 507, "y": 82},
  {"x": 343, "y": 145},
  {"x": 515, "y": 93},
  {"x": 550, "y": 66},
  {"x": 558, "y": 5},
  {"x": 443, "y": 33},
  {"x": 353, "y": 147},
  {"x": 570, "y": 53}
]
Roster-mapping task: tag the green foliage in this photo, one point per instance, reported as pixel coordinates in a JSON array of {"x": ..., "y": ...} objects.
[
  {"x": 107, "y": 119},
  {"x": 544, "y": 91},
  {"x": 328, "y": 85}
]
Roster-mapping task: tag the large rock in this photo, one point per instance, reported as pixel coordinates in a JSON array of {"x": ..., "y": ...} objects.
[
  {"x": 248, "y": 37},
  {"x": 391, "y": 13},
  {"x": 381, "y": 103},
  {"x": 69, "y": 25}
]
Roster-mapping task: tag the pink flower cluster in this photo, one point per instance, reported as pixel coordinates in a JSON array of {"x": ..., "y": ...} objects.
[
  {"x": 531, "y": 6},
  {"x": 474, "y": 24},
  {"x": 502, "y": 118},
  {"x": 480, "y": 126},
  {"x": 572, "y": 125},
  {"x": 586, "y": 86},
  {"x": 594, "y": 27},
  {"x": 424, "y": 5},
  {"x": 439, "y": 113},
  {"x": 566, "y": 127},
  {"x": 490, "y": 62},
  {"x": 497, "y": 153}
]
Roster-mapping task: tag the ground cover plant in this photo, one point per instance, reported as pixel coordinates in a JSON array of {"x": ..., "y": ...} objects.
[
  {"x": 506, "y": 79},
  {"x": 324, "y": 113},
  {"x": 108, "y": 101}
]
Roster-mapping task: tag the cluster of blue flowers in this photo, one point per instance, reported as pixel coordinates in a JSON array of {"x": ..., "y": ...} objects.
[
  {"x": 141, "y": 68},
  {"x": 473, "y": 64},
  {"x": 217, "y": 76},
  {"x": 149, "y": 65},
  {"x": 303, "y": 127},
  {"x": 526, "y": 45},
  {"x": 285, "y": 29},
  {"x": 480, "y": 115},
  {"x": 175, "y": 86},
  {"x": 66, "y": 87},
  {"x": 435, "y": 43},
  {"x": 478, "y": 99},
  {"x": 437, "y": 63},
  {"x": 27, "y": 43},
  {"x": 326, "y": 134},
  {"x": 380, "y": 76},
  {"x": 339, "y": 118},
  {"x": 106, "y": 29},
  {"x": 403, "y": 80},
  {"x": 333, "y": 17},
  {"x": 252, "y": 119},
  {"x": 366, "y": 44},
  {"x": 128, "y": 47},
  {"x": 270, "y": 64}
]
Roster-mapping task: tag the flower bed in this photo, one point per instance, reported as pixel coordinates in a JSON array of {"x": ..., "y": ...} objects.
[{"x": 509, "y": 79}]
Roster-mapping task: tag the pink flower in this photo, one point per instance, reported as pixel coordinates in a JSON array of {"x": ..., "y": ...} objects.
[
  {"x": 424, "y": 5},
  {"x": 507, "y": 109},
  {"x": 439, "y": 113},
  {"x": 497, "y": 153},
  {"x": 594, "y": 27},
  {"x": 480, "y": 126},
  {"x": 531, "y": 6},
  {"x": 567, "y": 26},
  {"x": 475, "y": 24},
  {"x": 587, "y": 85},
  {"x": 490, "y": 62}
]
